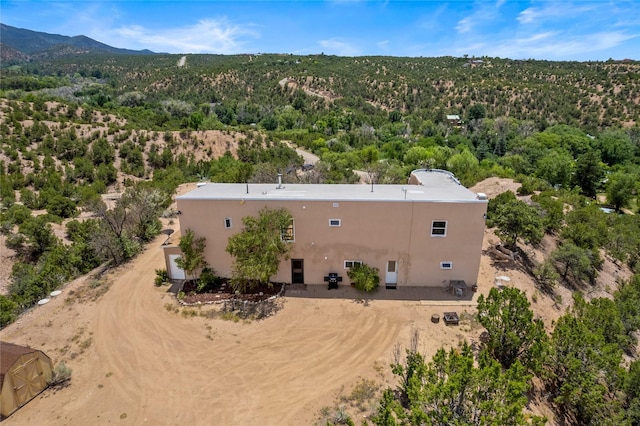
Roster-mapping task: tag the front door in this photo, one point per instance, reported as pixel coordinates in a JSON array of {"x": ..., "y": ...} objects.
[
  {"x": 391, "y": 278},
  {"x": 297, "y": 271},
  {"x": 176, "y": 273}
]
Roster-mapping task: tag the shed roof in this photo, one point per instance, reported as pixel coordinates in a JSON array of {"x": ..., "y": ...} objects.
[
  {"x": 435, "y": 186},
  {"x": 9, "y": 354}
]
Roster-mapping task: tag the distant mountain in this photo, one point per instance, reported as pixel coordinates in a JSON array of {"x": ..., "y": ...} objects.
[
  {"x": 19, "y": 45},
  {"x": 11, "y": 56}
]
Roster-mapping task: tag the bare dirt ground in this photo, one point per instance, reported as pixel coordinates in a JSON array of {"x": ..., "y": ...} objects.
[{"x": 138, "y": 358}]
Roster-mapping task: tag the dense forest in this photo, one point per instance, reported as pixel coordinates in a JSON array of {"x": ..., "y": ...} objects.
[{"x": 76, "y": 130}]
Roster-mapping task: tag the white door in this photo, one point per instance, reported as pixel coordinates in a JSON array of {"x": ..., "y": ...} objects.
[
  {"x": 175, "y": 273},
  {"x": 392, "y": 272}
]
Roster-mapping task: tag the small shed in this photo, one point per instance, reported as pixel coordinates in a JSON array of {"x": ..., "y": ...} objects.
[
  {"x": 454, "y": 119},
  {"x": 24, "y": 373}
]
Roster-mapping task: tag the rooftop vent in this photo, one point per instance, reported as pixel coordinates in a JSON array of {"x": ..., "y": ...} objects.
[
  {"x": 482, "y": 196},
  {"x": 279, "y": 181}
]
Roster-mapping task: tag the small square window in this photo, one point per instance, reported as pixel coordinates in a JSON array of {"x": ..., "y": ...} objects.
[
  {"x": 288, "y": 233},
  {"x": 228, "y": 224},
  {"x": 446, "y": 265},
  {"x": 439, "y": 228},
  {"x": 348, "y": 264},
  {"x": 335, "y": 222}
]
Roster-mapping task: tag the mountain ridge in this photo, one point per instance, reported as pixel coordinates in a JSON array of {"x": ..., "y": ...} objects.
[{"x": 20, "y": 45}]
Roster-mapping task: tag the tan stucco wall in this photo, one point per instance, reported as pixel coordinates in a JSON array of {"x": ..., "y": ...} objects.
[{"x": 371, "y": 231}]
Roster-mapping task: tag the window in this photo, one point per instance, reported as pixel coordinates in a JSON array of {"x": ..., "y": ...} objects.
[
  {"x": 228, "y": 224},
  {"x": 335, "y": 222},
  {"x": 288, "y": 233},
  {"x": 446, "y": 265},
  {"x": 439, "y": 228},
  {"x": 348, "y": 264}
]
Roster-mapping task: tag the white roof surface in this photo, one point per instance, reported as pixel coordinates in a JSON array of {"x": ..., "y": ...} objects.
[{"x": 437, "y": 186}]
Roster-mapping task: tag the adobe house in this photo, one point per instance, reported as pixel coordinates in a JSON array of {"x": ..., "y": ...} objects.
[{"x": 427, "y": 233}]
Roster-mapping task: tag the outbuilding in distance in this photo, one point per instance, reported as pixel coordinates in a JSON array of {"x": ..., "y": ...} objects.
[{"x": 24, "y": 373}]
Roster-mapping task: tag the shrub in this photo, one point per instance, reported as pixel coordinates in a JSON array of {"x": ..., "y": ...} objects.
[
  {"x": 531, "y": 185},
  {"x": 365, "y": 277},
  {"x": 161, "y": 277},
  {"x": 207, "y": 280},
  {"x": 61, "y": 374},
  {"x": 8, "y": 311}
]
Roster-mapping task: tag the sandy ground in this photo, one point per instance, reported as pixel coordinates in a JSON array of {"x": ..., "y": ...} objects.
[{"x": 138, "y": 359}]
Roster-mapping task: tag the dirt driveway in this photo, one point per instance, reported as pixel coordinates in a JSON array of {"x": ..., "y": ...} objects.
[{"x": 136, "y": 362}]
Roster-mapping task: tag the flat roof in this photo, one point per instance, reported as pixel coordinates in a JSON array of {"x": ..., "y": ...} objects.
[{"x": 436, "y": 186}]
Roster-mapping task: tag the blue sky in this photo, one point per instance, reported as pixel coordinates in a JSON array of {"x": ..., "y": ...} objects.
[{"x": 553, "y": 30}]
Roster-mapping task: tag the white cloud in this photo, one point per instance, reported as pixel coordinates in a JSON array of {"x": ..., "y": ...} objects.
[
  {"x": 206, "y": 36},
  {"x": 340, "y": 48},
  {"x": 465, "y": 25},
  {"x": 557, "y": 46},
  {"x": 564, "y": 10},
  {"x": 535, "y": 38},
  {"x": 383, "y": 45},
  {"x": 484, "y": 13}
]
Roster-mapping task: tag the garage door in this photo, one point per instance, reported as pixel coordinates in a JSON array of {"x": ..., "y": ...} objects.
[{"x": 175, "y": 272}]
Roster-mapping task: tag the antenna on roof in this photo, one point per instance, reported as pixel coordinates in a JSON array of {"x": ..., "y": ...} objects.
[
  {"x": 247, "y": 186},
  {"x": 279, "y": 181}
]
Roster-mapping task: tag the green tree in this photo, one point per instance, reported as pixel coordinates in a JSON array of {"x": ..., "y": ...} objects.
[
  {"x": 39, "y": 234},
  {"x": 477, "y": 111},
  {"x": 516, "y": 219},
  {"x": 122, "y": 229},
  {"x": 588, "y": 173},
  {"x": 573, "y": 261},
  {"x": 59, "y": 205},
  {"x": 192, "y": 258},
  {"x": 451, "y": 390},
  {"x": 259, "y": 248},
  {"x": 586, "y": 227},
  {"x": 496, "y": 202},
  {"x": 556, "y": 168},
  {"x": 620, "y": 189},
  {"x": 632, "y": 388},
  {"x": 616, "y": 147},
  {"x": 552, "y": 211},
  {"x": 465, "y": 165},
  {"x": 623, "y": 242},
  {"x": 514, "y": 335},
  {"x": 8, "y": 311},
  {"x": 581, "y": 371}
]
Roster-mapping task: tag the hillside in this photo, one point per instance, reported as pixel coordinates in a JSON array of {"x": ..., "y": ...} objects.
[{"x": 589, "y": 94}]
